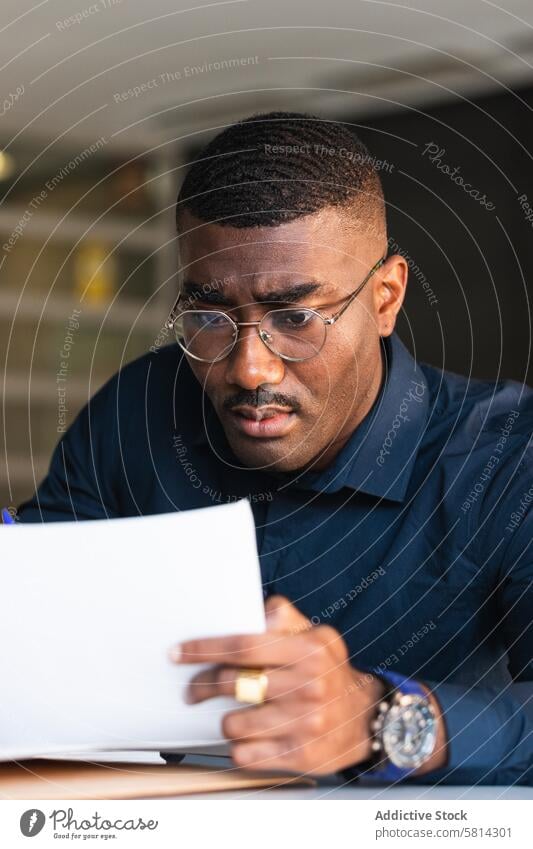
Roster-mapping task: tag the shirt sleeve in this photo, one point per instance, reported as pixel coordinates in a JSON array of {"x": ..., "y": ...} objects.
[
  {"x": 490, "y": 735},
  {"x": 490, "y": 730},
  {"x": 80, "y": 480}
]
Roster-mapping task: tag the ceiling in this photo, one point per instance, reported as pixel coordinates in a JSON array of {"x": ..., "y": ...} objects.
[{"x": 197, "y": 65}]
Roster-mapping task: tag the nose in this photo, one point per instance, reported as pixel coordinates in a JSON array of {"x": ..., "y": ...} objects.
[{"x": 251, "y": 363}]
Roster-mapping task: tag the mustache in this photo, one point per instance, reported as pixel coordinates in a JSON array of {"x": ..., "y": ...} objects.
[{"x": 261, "y": 398}]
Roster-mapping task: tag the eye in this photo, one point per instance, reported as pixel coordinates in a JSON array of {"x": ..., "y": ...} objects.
[
  {"x": 210, "y": 320},
  {"x": 290, "y": 320}
]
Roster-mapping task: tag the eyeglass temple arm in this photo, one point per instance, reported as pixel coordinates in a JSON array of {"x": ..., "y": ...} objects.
[
  {"x": 169, "y": 323},
  {"x": 361, "y": 286}
]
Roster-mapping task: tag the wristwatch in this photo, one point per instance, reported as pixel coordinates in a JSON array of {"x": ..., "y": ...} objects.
[{"x": 404, "y": 730}]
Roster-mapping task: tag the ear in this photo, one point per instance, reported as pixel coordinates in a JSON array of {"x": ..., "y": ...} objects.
[{"x": 389, "y": 292}]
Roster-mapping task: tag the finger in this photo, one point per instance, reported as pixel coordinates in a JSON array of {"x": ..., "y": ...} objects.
[
  {"x": 221, "y": 681},
  {"x": 281, "y": 615},
  {"x": 268, "y": 721},
  {"x": 270, "y": 649},
  {"x": 265, "y": 755},
  {"x": 292, "y": 718}
]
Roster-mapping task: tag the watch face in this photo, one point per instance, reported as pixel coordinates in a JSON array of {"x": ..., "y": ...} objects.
[{"x": 409, "y": 732}]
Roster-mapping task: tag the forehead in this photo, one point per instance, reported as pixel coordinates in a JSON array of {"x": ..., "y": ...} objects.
[{"x": 314, "y": 245}]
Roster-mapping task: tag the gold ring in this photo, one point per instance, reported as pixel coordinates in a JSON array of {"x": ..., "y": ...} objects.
[{"x": 251, "y": 686}]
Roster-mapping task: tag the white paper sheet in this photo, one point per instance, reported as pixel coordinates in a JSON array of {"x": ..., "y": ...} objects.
[{"x": 88, "y": 611}]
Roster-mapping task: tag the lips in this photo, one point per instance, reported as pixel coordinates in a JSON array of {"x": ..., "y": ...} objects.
[{"x": 266, "y": 422}]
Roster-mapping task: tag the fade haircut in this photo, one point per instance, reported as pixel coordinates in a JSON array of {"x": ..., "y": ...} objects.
[{"x": 273, "y": 168}]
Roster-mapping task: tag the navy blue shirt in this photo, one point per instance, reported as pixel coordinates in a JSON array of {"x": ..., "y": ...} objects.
[{"x": 415, "y": 543}]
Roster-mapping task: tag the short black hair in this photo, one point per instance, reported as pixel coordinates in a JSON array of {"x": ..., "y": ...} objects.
[{"x": 272, "y": 168}]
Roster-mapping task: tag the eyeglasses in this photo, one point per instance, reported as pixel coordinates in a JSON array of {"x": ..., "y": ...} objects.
[{"x": 295, "y": 333}]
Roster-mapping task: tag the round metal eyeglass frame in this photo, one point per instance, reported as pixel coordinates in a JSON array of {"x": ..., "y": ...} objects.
[{"x": 263, "y": 335}]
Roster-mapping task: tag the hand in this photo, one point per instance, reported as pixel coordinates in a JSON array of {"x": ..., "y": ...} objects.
[{"x": 318, "y": 708}]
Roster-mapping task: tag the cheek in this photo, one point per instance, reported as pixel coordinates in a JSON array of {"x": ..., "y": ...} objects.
[
  {"x": 209, "y": 376},
  {"x": 326, "y": 397},
  {"x": 349, "y": 351},
  {"x": 338, "y": 383},
  {"x": 337, "y": 368},
  {"x": 344, "y": 341}
]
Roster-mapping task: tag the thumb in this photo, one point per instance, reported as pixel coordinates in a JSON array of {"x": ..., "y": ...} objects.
[{"x": 281, "y": 615}]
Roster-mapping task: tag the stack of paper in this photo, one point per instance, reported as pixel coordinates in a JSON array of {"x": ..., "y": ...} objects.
[{"x": 88, "y": 611}]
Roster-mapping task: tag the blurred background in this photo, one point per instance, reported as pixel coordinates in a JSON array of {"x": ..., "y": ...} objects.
[{"x": 102, "y": 106}]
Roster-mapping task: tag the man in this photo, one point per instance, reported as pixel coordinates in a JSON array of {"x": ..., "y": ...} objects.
[{"x": 390, "y": 498}]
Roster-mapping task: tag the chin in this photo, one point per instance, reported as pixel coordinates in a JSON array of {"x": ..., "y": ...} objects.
[{"x": 269, "y": 456}]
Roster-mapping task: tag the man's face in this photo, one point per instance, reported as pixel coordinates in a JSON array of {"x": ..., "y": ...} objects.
[{"x": 280, "y": 415}]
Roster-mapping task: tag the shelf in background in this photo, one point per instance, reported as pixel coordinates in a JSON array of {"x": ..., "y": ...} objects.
[
  {"x": 42, "y": 389},
  {"x": 133, "y": 235},
  {"x": 121, "y": 314}
]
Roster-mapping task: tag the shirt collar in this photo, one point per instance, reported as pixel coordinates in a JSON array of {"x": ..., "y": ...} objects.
[{"x": 378, "y": 458}]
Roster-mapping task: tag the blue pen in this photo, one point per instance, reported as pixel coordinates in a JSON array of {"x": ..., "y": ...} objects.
[{"x": 7, "y": 518}]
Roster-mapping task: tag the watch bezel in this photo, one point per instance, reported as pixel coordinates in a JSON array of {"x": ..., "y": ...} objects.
[{"x": 385, "y": 729}]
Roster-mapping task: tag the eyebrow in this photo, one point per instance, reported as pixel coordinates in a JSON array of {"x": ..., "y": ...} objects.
[{"x": 289, "y": 294}]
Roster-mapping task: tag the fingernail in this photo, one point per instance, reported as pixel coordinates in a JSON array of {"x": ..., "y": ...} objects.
[{"x": 174, "y": 653}]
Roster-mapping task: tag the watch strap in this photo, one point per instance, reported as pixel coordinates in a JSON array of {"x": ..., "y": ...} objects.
[{"x": 407, "y": 686}]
